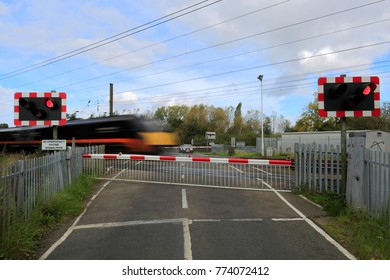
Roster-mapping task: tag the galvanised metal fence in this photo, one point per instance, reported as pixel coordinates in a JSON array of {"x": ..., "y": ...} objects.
[
  {"x": 25, "y": 183},
  {"x": 317, "y": 167},
  {"x": 376, "y": 183},
  {"x": 212, "y": 172}
]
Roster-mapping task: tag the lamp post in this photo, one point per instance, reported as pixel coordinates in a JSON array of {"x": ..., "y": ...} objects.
[{"x": 260, "y": 77}]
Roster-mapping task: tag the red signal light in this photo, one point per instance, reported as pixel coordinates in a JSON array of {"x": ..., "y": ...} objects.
[
  {"x": 50, "y": 103},
  {"x": 369, "y": 89}
]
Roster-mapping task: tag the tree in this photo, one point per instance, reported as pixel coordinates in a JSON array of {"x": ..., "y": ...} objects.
[
  {"x": 194, "y": 124},
  {"x": 172, "y": 116},
  {"x": 311, "y": 121},
  {"x": 278, "y": 124},
  {"x": 237, "y": 121},
  {"x": 372, "y": 123},
  {"x": 218, "y": 120}
]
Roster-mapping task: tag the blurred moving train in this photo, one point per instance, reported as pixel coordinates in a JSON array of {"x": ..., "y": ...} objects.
[{"x": 125, "y": 134}]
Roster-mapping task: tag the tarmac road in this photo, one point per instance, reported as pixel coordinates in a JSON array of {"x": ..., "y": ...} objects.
[{"x": 137, "y": 221}]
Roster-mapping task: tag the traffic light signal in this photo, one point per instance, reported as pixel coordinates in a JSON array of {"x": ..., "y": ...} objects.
[
  {"x": 48, "y": 108},
  {"x": 348, "y": 97},
  {"x": 50, "y": 103}
]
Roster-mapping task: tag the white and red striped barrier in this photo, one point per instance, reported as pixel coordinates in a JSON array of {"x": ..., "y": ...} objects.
[{"x": 191, "y": 159}]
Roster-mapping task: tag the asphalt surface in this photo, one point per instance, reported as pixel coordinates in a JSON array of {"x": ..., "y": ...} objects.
[{"x": 137, "y": 221}]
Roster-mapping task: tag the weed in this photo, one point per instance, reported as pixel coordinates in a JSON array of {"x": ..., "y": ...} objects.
[
  {"x": 366, "y": 237},
  {"x": 22, "y": 238},
  {"x": 332, "y": 202}
]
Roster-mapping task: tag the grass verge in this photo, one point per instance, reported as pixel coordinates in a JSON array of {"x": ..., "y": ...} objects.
[
  {"x": 22, "y": 238},
  {"x": 368, "y": 238},
  {"x": 364, "y": 236}
]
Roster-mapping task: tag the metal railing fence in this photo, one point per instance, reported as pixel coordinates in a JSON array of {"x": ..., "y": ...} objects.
[
  {"x": 214, "y": 172},
  {"x": 376, "y": 182},
  {"x": 25, "y": 183},
  {"x": 318, "y": 167}
]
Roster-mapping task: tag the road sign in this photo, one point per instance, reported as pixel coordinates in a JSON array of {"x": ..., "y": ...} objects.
[
  {"x": 348, "y": 96},
  {"x": 39, "y": 108},
  {"x": 210, "y": 135},
  {"x": 53, "y": 145}
]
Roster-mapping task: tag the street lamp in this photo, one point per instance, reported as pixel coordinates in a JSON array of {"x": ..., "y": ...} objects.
[{"x": 260, "y": 77}]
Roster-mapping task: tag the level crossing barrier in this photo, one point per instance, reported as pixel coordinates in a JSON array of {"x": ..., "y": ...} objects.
[{"x": 203, "y": 171}]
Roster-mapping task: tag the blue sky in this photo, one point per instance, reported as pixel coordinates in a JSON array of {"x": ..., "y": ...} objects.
[{"x": 211, "y": 56}]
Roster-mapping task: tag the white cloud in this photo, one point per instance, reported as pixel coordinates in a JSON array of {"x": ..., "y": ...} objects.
[
  {"x": 6, "y": 105},
  {"x": 125, "y": 97}
]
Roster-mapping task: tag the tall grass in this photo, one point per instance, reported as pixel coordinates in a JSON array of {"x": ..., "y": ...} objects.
[
  {"x": 366, "y": 237},
  {"x": 22, "y": 238}
]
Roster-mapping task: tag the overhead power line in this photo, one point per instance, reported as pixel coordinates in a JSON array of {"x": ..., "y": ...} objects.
[
  {"x": 244, "y": 89},
  {"x": 158, "y": 43},
  {"x": 110, "y": 39},
  {"x": 244, "y": 38},
  {"x": 265, "y": 65},
  {"x": 226, "y": 57}
]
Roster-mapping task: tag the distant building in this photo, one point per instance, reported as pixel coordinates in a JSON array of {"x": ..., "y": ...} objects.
[{"x": 375, "y": 140}]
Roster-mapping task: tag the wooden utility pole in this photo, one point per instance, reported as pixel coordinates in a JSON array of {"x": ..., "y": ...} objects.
[{"x": 111, "y": 99}]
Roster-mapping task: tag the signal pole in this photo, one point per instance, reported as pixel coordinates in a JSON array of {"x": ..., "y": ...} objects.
[
  {"x": 262, "y": 116},
  {"x": 111, "y": 99},
  {"x": 343, "y": 138},
  {"x": 343, "y": 122}
]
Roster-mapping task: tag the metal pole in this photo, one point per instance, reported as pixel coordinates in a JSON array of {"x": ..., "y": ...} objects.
[
  {"x": 343, "y": 138},
  {"x": 55, "y": 132},
  {"x": 111, "y": 99},
  {"x": 343, "y": 155},
  {"x": 262, "y": 115}
]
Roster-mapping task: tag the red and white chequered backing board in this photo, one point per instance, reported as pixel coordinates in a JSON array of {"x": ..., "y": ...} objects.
[
  {"x": 372, "y": 113},
  {"x": 19, "y": 95}
]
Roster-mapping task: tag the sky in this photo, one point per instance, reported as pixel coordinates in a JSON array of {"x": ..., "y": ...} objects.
[{"x": 187, "y": 52}]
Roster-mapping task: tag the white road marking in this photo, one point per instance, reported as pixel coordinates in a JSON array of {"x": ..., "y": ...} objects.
[
  {"x": 72, "y": 227},
  {"x": 230, "y": 220},
  {"x": 184, "y": 202},
  {"x": 187, "y": 239},
  {"x": 286, "y": 219},
  {"x": 261, "y": 170},
  {"x": 314, "y": 226},
  {"x": 308, "y": 200},
  {"x": 195, "y": 185},
  {"x": 130, "y": 223},
  {"x": 235, "y": 168},
  {"x": 187, "y": 251}
]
